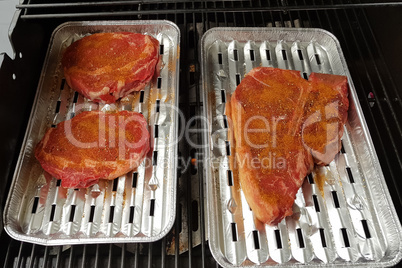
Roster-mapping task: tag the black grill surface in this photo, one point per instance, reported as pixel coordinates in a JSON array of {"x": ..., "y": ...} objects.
[{"x": 369, "y": 36}]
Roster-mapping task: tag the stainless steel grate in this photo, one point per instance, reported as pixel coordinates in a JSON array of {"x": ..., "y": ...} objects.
[{"x": 348, "y": 22}]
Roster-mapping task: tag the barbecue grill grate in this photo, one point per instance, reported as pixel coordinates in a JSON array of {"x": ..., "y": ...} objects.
[{"x": 378, "y": 95}]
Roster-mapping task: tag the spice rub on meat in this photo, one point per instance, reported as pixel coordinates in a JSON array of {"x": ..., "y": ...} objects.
[
  {"x": 94, "y": 145},
  {"x": 282, "y": 126},
  {"x": 105, "y": 67}
]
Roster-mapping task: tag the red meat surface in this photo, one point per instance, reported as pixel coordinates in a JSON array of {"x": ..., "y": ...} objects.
[
  {"x": 282, "y": 126},
  {"x": 107, "y": 66},
  {"x": 94, "y": 145}
]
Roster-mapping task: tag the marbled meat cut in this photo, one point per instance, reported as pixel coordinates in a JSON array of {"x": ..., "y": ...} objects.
[
  {"x": 107, "y": 66},
  {"x": 94, "y": 145},
  {"x": 282, "y": 126}
]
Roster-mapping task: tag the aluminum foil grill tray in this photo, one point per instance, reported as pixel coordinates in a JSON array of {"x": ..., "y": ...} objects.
[
  {"x": 137, "y": 207},
  {"x": 343, "y": 213}
]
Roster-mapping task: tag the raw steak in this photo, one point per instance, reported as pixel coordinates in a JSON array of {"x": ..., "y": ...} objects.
[
  {"x": 107, "y": 66},
  {"x": 94, "y": 145},
  {"x": 282, "y": 125}
]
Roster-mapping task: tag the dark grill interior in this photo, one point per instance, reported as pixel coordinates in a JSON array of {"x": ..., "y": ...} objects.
[{"x": 369, "y": 34}]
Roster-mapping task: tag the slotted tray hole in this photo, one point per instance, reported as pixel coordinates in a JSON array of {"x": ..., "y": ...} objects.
[
  {"x": 230, "y": 177},
  {"x": 234, "y": 231},
  {"x": 227, "y": 143},
  {"x": 131, "y": 218},
  {"x": 300, "y": 237},
  {"x": 157, "y": 106},
  {"x": 161, "y": 49},
  {"x": 72, "y": 213},
  {"x": 52, "y": 212},
  {"x": 300, "y": 54},
  {"x": 350, "y": 175},
  {"x": 323, "y": 240},
  {"x": 58, "y": 104},
  {"x": 76, "y": 94},
  {"x": 58, "y": 183},
  {"x": 278, "y": 239},
  {"x": 115, "y": 183},
  {"x": 345, "y": 237},
  {"x": 305, "y": 76},
  {"x": 256, "y": 239},
  {"x": 111, "y": 214},
  {"x": 225, "y": 122},
  {"x": 220, "y": 58},
  {"x": 135, "y": 178},
  {"x": 63, "y": 82},
  {"x": 316, "y": 204},
  {"x": 252, "y": 55},
  {"x": 342, "y": 148},
  {"x": 142, "y": 94},
  {"x": 35, "y": 204},
  {"x": 310, "y": 178},
  {"x": 335, "y": 198},
  {"x": 317, "y": 59},
  {"x": 238, "y": 80},
  {"x": 159, "y": 82},
  {"x": 92, "y": 214},
  {"x": 268, "y": 54},
  {"x": 156, "y": 131},
  {"x": 223, "y": 95},
  {"x": 155, "y": 158},
  {"x": 366, "y": 229},
  {"x": 152, "y": 207},
  {"x": 284, "y": 55},
  {"x": 235, "y": 55}
]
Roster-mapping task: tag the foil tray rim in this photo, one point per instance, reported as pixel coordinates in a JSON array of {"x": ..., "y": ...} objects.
[
  {"x": 212, "y": 235},
  {"x": 55, "y": 242}
]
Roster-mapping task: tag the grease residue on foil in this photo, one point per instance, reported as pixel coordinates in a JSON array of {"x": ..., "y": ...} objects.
[
  {"x": 172, "y": 68},
  {"x": 320, "y": 179}
]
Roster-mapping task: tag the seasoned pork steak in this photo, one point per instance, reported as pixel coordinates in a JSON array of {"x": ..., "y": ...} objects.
[
  {"x": 94, "y": 145},
  {"x": 282, "y": 125},
  {"x": 107, "y": 66}
]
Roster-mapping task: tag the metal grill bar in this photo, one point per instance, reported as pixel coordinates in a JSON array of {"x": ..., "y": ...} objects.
[
  {"x": 20, "y": 254},
  {"x": 199, "y": 141},
  {"x": 186, "y": 185},
  {"x": 387, "y": 123},
  {"x": 348, "y": 50},
  {"x": 373, "y": 88},
  {"x": 243, "y": 9},
  {"x": 84, "y": 256},
  {"x": 97, "y": 256},
  {"x": 150, "y": 248},
  {"x": 123, "y": 255},
  {"x": 71, "y": 258},
  {"x": 144, "y": 9},
  {"x": 58, "y": 255}
]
